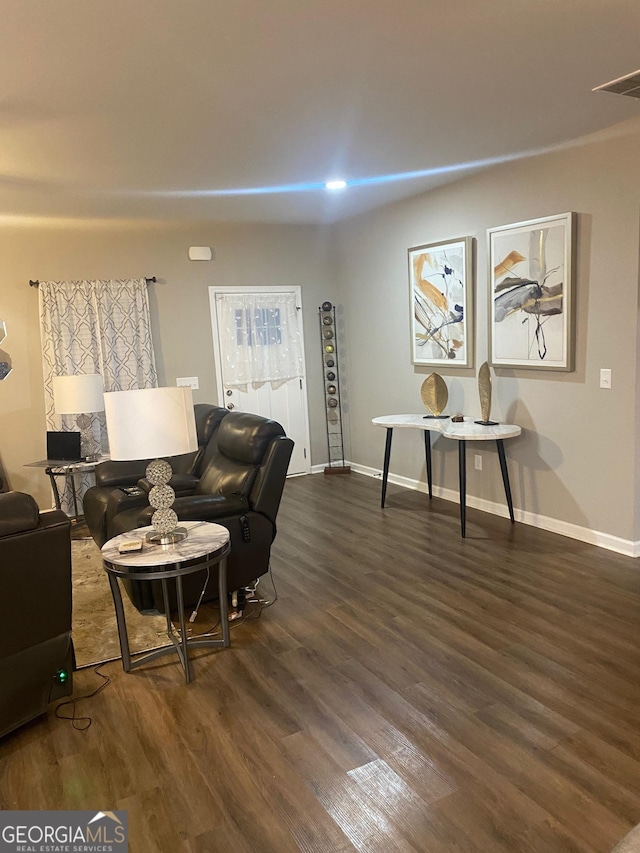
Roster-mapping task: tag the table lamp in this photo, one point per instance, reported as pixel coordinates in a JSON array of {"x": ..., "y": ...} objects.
[
  {"x": 78, "y": 395},
  {"x": 153, "y": 422}
]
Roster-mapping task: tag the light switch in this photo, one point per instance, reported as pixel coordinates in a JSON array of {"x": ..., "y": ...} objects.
[
  {"x": 200, "y": 253},
  {"x": 605, "y": 377},
  {"x": 189, "y": 381}
]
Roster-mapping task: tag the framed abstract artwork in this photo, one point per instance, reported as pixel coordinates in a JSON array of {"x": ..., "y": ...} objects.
[
  {"x": 531, "y": 293},
  {"x": 441, "y": 292}
]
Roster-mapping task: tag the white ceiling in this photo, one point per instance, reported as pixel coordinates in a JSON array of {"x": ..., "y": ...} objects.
[{"x": 140, "y": 108}]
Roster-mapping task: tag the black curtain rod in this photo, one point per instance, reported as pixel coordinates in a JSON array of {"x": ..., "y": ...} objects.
[{"x": 150, "y": 279}]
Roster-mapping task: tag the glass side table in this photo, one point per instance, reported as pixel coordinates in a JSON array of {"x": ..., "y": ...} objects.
[{"x": 55, "y": 468}]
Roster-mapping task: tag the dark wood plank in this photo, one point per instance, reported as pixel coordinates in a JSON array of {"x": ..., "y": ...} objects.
[{"x": 408, "y": 691}]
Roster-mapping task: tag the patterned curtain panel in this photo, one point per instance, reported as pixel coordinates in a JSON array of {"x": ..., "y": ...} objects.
[{"x": 95, "y": 327}]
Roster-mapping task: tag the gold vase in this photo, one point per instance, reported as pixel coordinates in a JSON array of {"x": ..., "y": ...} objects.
[
  {"x": 434, "y": 394},
  {"x": 484, "y": 391}
]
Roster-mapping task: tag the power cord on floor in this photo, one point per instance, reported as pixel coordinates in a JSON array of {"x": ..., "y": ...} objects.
[
  {"x": 269, "y": 602},
  {"x": 81, "y": 724},
  {"x": 246, "y": 615},
  {"x": 194, "y": 615}
]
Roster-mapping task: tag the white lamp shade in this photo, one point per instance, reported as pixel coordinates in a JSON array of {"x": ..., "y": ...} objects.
[
  {"x": 149, "y": 423},
  {"x": 73, "y": 395}
]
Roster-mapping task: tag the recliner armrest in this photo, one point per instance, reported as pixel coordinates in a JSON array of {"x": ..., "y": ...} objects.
[
  {"x": 114, "y": 473},
  {"x": 119, "y": 501},
  {"x": 101, "y": 504},
  {"x": 201, "y": 508},
  {"x": 18, "y": 513},
  {"x": 182, "y": 484},
  {"x": 53, "y": 518}
]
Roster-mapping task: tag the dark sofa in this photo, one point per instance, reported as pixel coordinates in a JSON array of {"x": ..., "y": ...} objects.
[{"x": 36, "y": 650}]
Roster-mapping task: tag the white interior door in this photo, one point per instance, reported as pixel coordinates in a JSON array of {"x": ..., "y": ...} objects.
[{"x": 261, "y": 319}]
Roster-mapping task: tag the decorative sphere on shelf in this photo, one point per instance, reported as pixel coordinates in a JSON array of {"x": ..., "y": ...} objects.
[
  {"x": 327, "y": 306},
  {"x": 328, "y": 321},
  {"x": 331, "y": 376},
  {"x": 329, "y": 361},
  {"x": 327, "y": 333},
  {"x": 332, "y": 402},
  {"x": 329, "y": 348},
  {"x": 331, "y": 389}
]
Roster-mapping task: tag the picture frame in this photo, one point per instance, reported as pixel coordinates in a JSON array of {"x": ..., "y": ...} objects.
[
  {"x": 532, "y": 293},
  {"x": 441, "y": 301}
]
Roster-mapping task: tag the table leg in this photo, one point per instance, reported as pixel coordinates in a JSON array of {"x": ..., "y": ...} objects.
[
  {"x": 462, "y": 474},
  {"x": 121, "y": 623},
  {"x": 183, "y": 631},
  {"x": 74, "y": 494},
  {"x": 180, "y": 645},
  {"x": 54, "y": 487},
  {"x": 427, "y": 452},
  {"x": 505, "y": 477},
  {"x": 222, "y": 597},
  {"x": 167, "y": 608},
  {"x": 385, "y": 468}
]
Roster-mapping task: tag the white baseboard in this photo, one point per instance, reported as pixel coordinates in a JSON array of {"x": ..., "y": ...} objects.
[{"x": 574, "y": 531}]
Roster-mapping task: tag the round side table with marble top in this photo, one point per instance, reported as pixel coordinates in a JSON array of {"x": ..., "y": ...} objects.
[{"x": 206, "y": 546}]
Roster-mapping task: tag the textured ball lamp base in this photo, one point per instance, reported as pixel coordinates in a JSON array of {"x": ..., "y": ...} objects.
[
  {"x": 161, "y": 497},
  {"x": 89, "y": 449}
]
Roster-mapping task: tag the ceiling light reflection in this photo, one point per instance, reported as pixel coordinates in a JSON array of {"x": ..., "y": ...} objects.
[{"x": 313, "y": 186}]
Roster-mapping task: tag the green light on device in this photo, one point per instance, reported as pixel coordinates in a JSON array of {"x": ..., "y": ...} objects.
[{"x": 61, "y": 676}]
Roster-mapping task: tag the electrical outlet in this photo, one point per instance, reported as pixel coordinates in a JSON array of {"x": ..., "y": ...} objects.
[
  {"x": 189, "y": 381},
  {"x": 477, "y": 459},
  {"x": 605, "y": 377}
]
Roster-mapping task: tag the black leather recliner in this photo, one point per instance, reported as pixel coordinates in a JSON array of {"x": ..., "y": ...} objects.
[
  {"x": 107, "y": 498},
  {"x": 36, "y": 650},
  {"x": 240, "y": 487}
]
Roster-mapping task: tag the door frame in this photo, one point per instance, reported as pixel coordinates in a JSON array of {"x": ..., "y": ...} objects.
[{"x": 282, "y": 288}]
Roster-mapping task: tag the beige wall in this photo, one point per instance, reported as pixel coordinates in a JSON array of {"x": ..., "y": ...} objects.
[
  {"x": 576, "y": 461},
  {"x": 245, "y": 255}
]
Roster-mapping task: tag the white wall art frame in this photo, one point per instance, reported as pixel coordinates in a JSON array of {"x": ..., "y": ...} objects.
[
  {"x": 441, "y": 293},
  {"x": 532, "y": 293}
]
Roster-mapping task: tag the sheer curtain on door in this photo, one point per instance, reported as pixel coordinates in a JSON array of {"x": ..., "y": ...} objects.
[
  {"x": 261, "y": 341},
  {"x": 95, "y": 327}
]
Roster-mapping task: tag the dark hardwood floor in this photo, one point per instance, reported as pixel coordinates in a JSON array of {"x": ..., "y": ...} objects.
[{"x": 408, "y": 691}]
